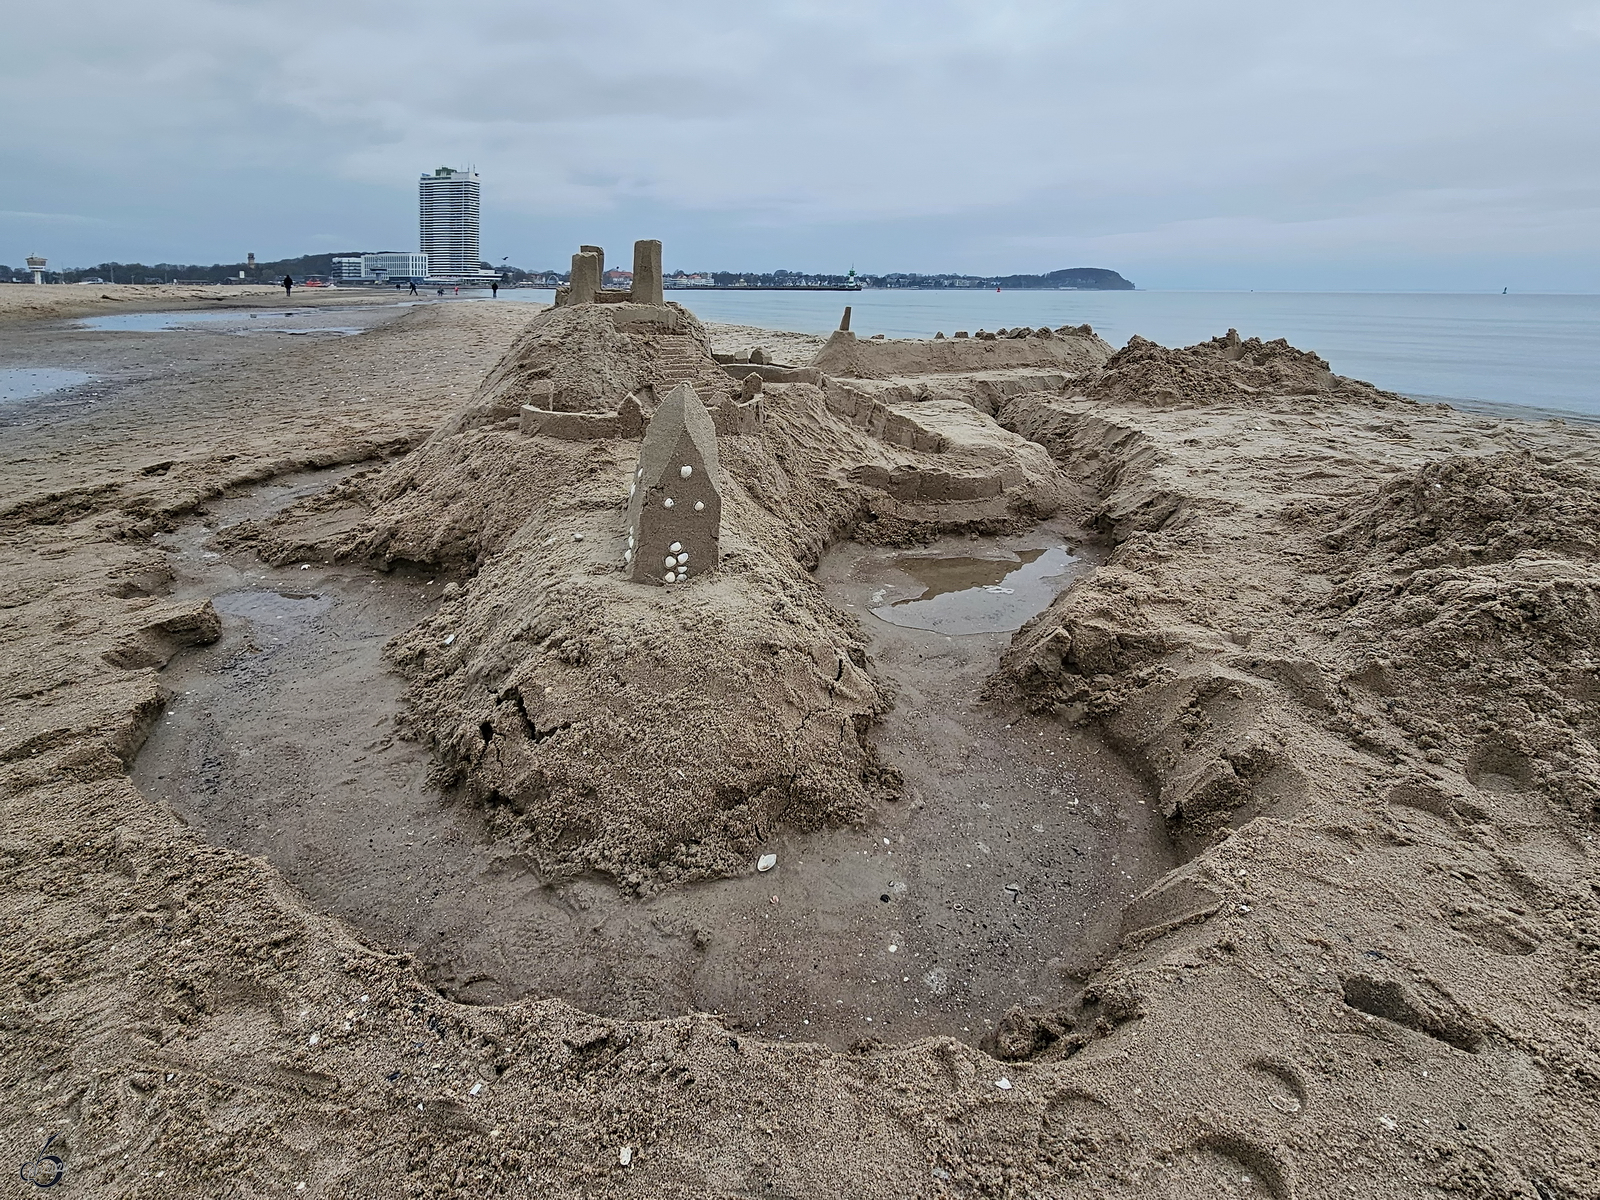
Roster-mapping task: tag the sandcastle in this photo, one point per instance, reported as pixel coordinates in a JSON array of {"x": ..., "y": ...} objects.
[
  {"x": 674, "y": 501},
  {"x": 588, "y": 276}
]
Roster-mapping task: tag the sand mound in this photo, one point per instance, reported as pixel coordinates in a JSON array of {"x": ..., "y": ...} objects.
[
  {"x": 1472, "y": 587},
  {"x": 1464, "y": 510},
  {"x": 589, "y": 357},
  {"x": 1072, "y": 350},
  {"x": 1222, "y": 370}
]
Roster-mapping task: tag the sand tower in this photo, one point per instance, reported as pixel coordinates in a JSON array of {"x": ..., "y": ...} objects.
[
  {"x": 675, "y": 501},
  {"x": 587, "y": 281}
]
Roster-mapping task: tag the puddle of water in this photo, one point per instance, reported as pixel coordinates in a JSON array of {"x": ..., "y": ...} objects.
[
  {"x": 19, "y": 383},
  {"x": 279, "y": 609},
  {"x": 304, "y": 321},
  {"x": 963, "y": 595}
]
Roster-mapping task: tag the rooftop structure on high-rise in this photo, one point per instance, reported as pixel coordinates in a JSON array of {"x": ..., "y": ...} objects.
[{"x": 449, "y": 221}]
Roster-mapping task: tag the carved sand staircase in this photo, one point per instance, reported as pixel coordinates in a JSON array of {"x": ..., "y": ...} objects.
[{"x": 677, "y": 359}]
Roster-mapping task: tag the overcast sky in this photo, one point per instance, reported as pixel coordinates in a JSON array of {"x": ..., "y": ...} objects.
[{"x": 1407, "y": 144}]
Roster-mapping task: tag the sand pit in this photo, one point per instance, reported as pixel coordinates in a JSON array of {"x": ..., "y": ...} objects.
[{"x": 347, "y": 786}]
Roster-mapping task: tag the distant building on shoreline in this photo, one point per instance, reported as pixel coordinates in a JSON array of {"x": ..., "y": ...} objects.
[
  {"x": 382, "y": 267},
  {"x": 448, "y": 210}
]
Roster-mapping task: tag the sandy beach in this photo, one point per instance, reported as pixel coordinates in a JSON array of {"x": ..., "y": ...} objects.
[{"x": 368, "y": 832}]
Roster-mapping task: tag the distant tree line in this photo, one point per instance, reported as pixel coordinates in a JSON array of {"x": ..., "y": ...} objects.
[
  {"x": 308, "y": 265},
  {"x": 303, "y": 267}
]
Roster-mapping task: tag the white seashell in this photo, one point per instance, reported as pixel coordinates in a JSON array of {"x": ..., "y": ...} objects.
[
  {"x": 1003, "y": 1084},
  {"x": 640, "y": 475},
  {"x": 671, "y": 562},
  {"x": 683, "y": 572},
  {"x": 669, "y": 577},
  {"x": 675, "y": 547},
  {"x": 630, "y": 541},
  {"x": 625, "y": 1156},
  {"x": 667, "y": 503},
  {"x": 577, "y": 537},
  {"x": 686, "y": 471},
  {"x": 632, "y": 488},
  {"x": 627, "y": 557},
  {"x": 766, "y": 862},
  {"x": 699, "y": 506},
  {"x": 683, "y": 558}
]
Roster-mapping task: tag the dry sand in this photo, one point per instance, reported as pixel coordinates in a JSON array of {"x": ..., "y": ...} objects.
[{"x": 1329, "y": 674}]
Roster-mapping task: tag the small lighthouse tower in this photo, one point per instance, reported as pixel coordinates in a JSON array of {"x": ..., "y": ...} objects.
[
  {"x": 675, "y": 499},
  {"x": 36, "y": 265}
]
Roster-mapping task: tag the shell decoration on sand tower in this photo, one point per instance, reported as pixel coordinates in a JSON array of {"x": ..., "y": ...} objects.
[{"x": 675, "y": 500}]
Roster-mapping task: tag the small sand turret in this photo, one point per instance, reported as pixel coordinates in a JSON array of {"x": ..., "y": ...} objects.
[
  {"x": 675, "y": 500},
  {"x": 588, "y": 277}
]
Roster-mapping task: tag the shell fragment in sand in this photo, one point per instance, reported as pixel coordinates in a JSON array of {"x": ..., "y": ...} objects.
[
  {"x": 625, "y": 1155},
  {"x": 1003, "y": 1084},
  {"x": 766, "y": 862}
]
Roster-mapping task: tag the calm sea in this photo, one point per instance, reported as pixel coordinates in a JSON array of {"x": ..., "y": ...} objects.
[{"x": 1475, "y": 350}]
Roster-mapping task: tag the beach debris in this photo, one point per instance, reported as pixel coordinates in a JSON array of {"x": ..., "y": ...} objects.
[
  {"x": 477, "y": 1089},
  {"x": 1003, "y": 1084},
  {"x": 625, "y": 1155},
  {"x": 766, "y": 862},
  {"x": 449, "y": 640}
]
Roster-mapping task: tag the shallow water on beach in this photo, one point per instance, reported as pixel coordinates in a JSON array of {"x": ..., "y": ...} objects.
[
  {"x": 1540, "y": 351},
  {"x": 21, "y": 383},
  {"x": 977, "y": 595},
  {"x": 304, "y": 321}
]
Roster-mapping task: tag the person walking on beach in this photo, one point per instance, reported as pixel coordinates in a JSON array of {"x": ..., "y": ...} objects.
[
  {"x": 413, "y": 287},
  {"x": 494, "y": 290},
  {"x": 288, "y": 286}
]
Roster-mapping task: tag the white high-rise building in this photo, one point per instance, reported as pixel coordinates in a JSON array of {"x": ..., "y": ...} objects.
[{"x": 449, "y": 212}]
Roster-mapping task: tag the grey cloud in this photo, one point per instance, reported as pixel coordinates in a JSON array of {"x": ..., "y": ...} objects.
[{"x": 1242, "y": 143}]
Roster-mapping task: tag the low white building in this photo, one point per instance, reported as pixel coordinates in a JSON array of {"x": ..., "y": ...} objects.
[{"x": 396, "y": 265}]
